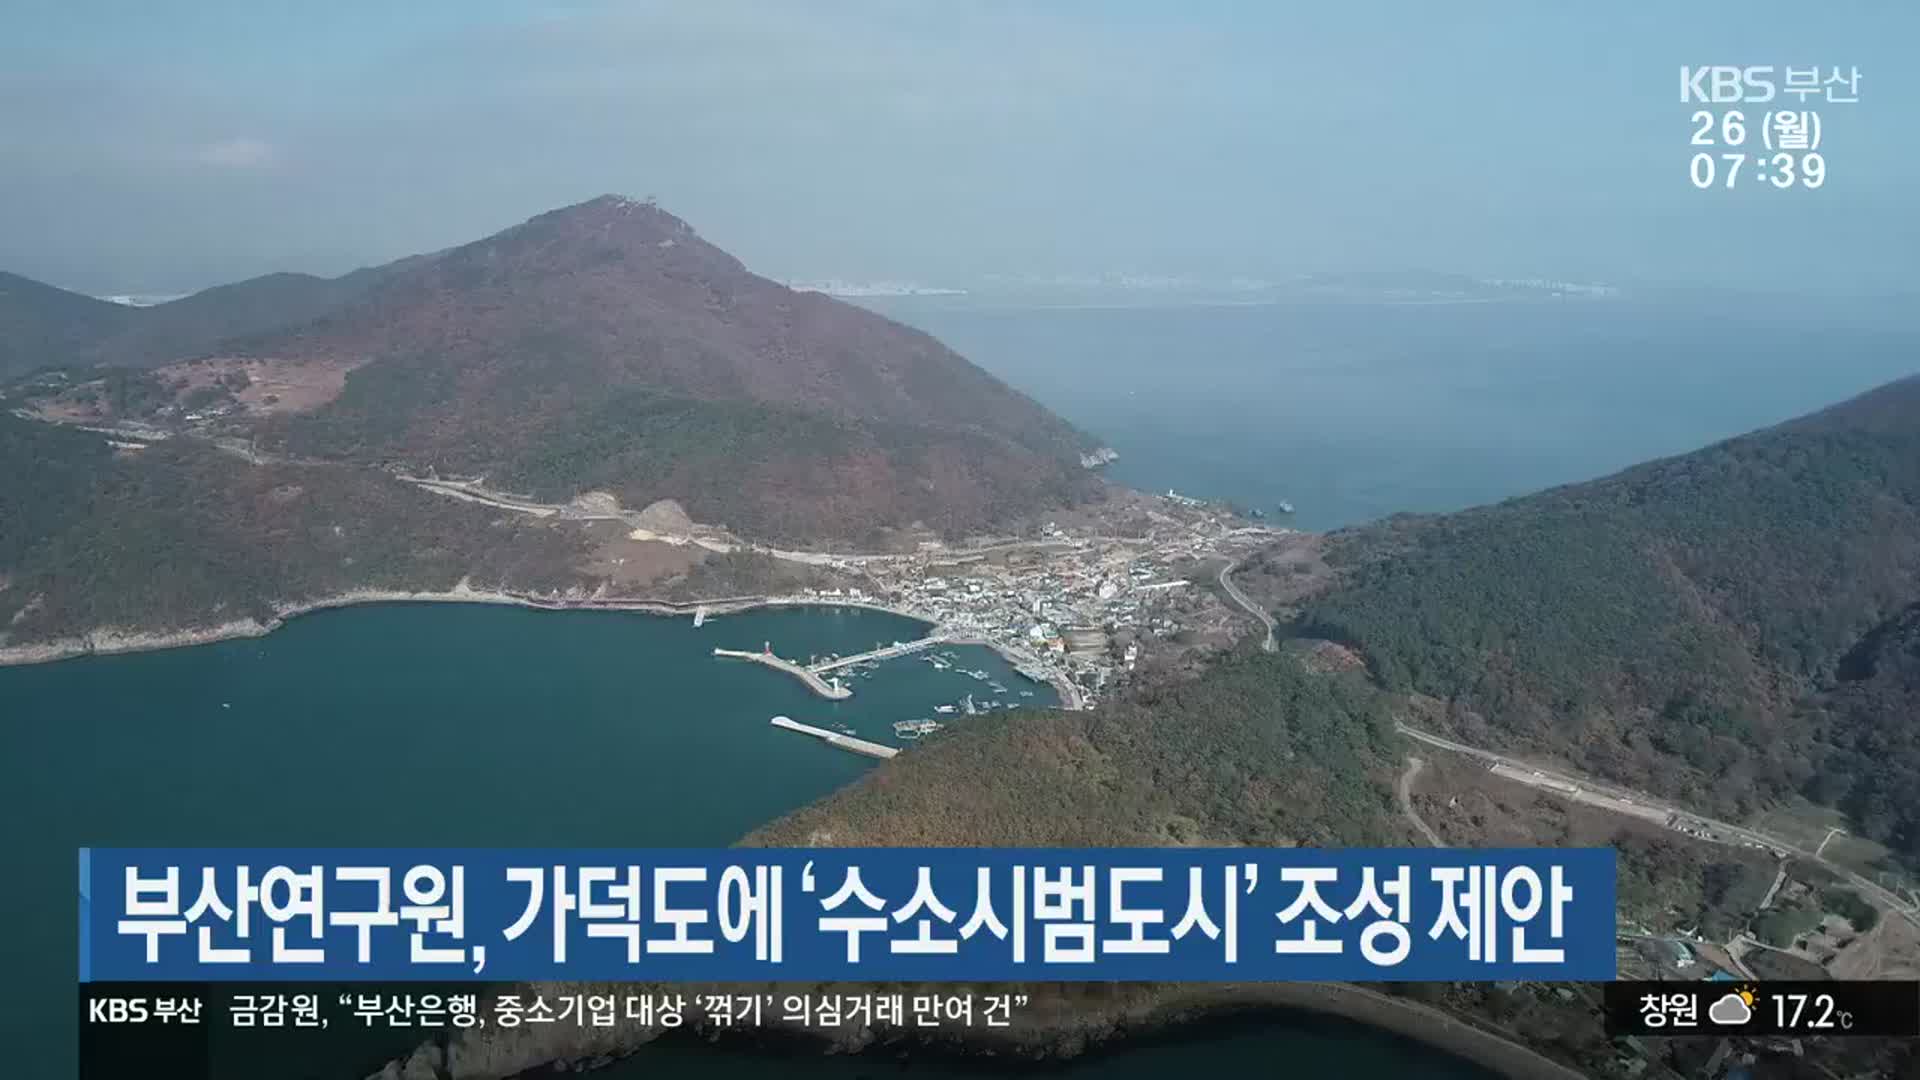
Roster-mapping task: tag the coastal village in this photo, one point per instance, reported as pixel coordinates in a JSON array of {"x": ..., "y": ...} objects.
[
  {"x": 1079, "y": 604},
  {"x": 1074, "y": 609}
]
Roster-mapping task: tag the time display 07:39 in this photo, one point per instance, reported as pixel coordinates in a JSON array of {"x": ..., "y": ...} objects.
[{"x": 1782, "y": 170}]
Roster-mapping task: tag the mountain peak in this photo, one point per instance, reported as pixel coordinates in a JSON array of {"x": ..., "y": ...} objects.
[
  {"x": 611, "y": 209},
  {"x": 614, "y": 201},
  {"x": 608, "y": 234}
]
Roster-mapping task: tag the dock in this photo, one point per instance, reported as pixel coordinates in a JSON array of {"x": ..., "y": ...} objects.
[
  {"x": 834, "y": 738},
  {"x": 830, "y": 689},
  {"x": 898, "y": 648}
]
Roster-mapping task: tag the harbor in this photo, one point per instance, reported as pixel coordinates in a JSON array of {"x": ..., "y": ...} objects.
[
  {"x": 968, "y": 669},
  {"x": 819, "y": 676},
  {"x": 898, "y": 648},
  {"x": 830, "y": 688}
]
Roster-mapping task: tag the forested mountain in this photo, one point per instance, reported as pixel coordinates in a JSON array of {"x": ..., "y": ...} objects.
[
  {"x": 183, "y": 536},
  {"x": 604, "y": 347},
  {"x": 1255, "y": 752},
  {"x": 1728, "y": 626},
  {"x": 1867, "y": 721},
  {"x": 607, "y": 346}
]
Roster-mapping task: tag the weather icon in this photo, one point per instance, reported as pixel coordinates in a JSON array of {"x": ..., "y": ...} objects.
[{"x": 1733, "y": 1009}]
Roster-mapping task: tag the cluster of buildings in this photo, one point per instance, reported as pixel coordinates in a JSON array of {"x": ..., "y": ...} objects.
[{"x": 1067, "y": 609}]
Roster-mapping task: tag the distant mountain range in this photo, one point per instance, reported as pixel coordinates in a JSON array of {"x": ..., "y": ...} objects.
[
  {"x": 42, "y": 326},
  {"x": 45, "y": 327},
  {"x": 1179, "y": 290}
]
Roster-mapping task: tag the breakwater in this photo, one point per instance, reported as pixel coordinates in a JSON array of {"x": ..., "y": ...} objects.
[
  {"x": 835, "y": 738},
  {"x": 826, "y": 688}
]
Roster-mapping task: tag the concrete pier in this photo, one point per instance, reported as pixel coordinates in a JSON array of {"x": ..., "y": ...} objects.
[
  {"x": 834, "y": 738},
  {"x": 831, "y": 690},
  {"x": 898, "y": 648}
]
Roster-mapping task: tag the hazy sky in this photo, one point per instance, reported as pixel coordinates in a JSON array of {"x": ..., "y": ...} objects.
[{"x": 162, "y": 146}]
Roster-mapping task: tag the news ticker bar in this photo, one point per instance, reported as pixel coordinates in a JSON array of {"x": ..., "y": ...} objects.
[
  {"x": 172, "y": 1028},
  {"x": 219, "y": 1031},
  {"x": 1798, "y": 1009},
  {"x": 847, "y": 914}
]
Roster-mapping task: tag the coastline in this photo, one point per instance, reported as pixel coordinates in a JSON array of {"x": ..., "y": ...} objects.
[{"x": 109, "y": 641}]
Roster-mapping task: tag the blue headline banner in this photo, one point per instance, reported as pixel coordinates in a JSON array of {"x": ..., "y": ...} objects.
[{"x": 847, "y": 914}]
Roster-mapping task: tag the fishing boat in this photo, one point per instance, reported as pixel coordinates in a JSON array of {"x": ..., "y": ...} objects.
[
  {"x": 943, "y": 708},
  {"x": 913, "y": 729}
]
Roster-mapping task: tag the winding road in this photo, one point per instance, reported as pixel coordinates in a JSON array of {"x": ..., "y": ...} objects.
[
  {"x": 1404, "y": 789},
  {"x": 1232, "y": 590}
]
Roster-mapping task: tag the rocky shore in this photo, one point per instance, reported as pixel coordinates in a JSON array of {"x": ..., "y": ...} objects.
[
  {"x": 110, "y": 640},
  {"x": 120, "y": 641}
]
